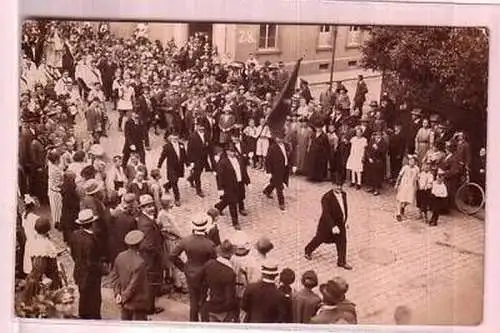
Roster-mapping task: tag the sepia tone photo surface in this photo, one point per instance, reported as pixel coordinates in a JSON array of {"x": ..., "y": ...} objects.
[{"x": 251, "y": 173}]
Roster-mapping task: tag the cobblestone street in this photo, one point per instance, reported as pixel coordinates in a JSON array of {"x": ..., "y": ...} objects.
[{"x": 437, "y": 272}]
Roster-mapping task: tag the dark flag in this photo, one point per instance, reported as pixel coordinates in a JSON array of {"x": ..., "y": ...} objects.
[{"x": 277, "y": 117}]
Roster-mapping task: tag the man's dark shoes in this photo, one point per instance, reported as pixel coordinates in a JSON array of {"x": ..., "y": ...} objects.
[{"x": 345, "y": 266}]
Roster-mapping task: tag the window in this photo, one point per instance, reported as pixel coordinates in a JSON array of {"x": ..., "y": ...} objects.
[
  {"x": 354, "y": 36},
  {"x": 268, "y": 36},
  {"x": 325, "y": 36}
]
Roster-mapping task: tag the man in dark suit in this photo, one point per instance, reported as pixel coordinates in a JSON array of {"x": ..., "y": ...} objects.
[
  {"x": 121, "y": 225},
  {"x": 241, "y": 147},
  {"x": 175, "y": 153},
  {"x": 262, "y": 302},
  {"x": 93, "y": 199},
  {"x": 232, "y": 177},
  {"x": 279, "y": 165},
  {"x": 397, "y": 148},
  {"x": 197, "y": 157},
  {"x": 199, "y": 249},
  {"x": 129, "y": 279},
  {"x": 134, "y": 139},
  {"x": 360, "y": 94},
  {"x": 336, "y": 308},
  {"x": 332, "y": 225},
  {"x": 219, "y": 280},
  {"x": 151, "y": 248},
  {"x": 88, "y": 266},
  {"x": 107, "y": 68},
  {"x": 146, "y": 108},
  {"x": 375, "y": 162}
]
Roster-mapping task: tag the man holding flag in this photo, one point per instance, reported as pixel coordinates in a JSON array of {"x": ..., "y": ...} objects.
[{"x": 279, "y": 160}]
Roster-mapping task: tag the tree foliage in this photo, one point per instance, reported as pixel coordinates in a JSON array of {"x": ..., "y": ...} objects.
[{"x": 441, "y": 69}]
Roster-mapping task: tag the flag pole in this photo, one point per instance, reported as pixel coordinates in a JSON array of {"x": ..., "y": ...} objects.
[{"x": 334, "y": 42}]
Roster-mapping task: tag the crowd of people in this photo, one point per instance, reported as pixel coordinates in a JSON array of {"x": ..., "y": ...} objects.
[{"x": 114, "y": 214}]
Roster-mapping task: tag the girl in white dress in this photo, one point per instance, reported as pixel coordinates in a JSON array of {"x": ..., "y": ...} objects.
[
  {"x": 355, "y": 160},
  {"x": 28, "y": 223},
  {"x": 406, "y": 186},
  {"x": 262, "y": 144},
  {"x": 126, "y": 95}
]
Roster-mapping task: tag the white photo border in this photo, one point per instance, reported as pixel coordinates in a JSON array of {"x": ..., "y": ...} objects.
[{"x": 284, "y": 11}]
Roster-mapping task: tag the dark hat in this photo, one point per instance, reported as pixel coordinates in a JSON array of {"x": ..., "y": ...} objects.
[
  {"x": 374, "y": 103},
  {"x": 304, "y": 81},
  {"x": 213, "y": 213},
  {"x": 226, "y": 248},
  {"x": 42, "y": 225},
  {"x": 333, "y": 291},
  {"x": 134, "y": 237},
  {"x": 287, "y": 276},
  {"x": 310, "y": 279}
]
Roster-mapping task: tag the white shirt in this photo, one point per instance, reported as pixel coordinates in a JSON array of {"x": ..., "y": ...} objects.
[
  {"x": 201, "y": 137},
  {"x": 425, "y": 180},
  {"x": 341, "y": 202},
  {"x": 236, "y": 167},
  {"x": 283, "y": 150},
  {"x": 439, "y": 190},
  {"x": 238, "y": 147}
]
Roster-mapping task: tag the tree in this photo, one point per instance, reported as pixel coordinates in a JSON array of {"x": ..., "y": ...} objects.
[{"x": 440, "y": 69}]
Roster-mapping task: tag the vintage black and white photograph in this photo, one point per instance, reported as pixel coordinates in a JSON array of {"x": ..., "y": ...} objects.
[{"x": 251, "y": 173}]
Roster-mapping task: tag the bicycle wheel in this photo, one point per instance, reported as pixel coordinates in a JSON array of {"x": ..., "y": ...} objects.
[{"x": 470, "y": 198}]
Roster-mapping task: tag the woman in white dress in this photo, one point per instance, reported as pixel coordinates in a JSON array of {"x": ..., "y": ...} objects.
[
  {"x": 355, "y": 160},
  {"x": 406, "y": 186},
  {"x": 126, "y": 95},
  {"x": 56, "y": 178},
  {"x": 28, "y": 222}
]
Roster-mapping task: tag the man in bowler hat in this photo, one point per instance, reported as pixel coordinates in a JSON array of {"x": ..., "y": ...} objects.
[
  {"x": 88, "y": 265},
  {"x": 129, "y": 279}
]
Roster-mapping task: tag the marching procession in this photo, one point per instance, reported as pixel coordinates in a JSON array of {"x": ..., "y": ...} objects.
[{"x": 219, "y": 118}]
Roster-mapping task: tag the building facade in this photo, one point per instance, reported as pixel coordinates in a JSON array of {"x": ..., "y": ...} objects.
[{"x": 271, "y": 42}]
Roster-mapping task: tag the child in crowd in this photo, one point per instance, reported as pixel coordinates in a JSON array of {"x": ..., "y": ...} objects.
[
  {"x": 439, "y": 197},
  {"x": 213, "y": 231},
  {"x": 171, "y": 235},
  {"x": 356, "y": 156},
  {"x": 406, "y": 186},
  {"x": 287, "y": 278},
  {"x": 425, "y": 180},
  {"x": 251, "y": 134},
  {"x": 262, "y": 142},
  {"x": 305, "y": 303}
]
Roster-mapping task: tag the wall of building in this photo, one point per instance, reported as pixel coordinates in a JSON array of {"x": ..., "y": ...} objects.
[{"x": 239, "y": 40}]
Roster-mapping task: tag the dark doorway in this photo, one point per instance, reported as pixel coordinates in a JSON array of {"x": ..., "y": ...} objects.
[{"x": 201, "y": 27}]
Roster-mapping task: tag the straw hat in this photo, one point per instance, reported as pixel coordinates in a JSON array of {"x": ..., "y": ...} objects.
[
  {"x": 200, "y": 222},
  {"x": 86, "y": 216},
  {"x": 134, "y": 237},
  {"x": 145, "y": 200},
  {"x": 92, "y": 186}
]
